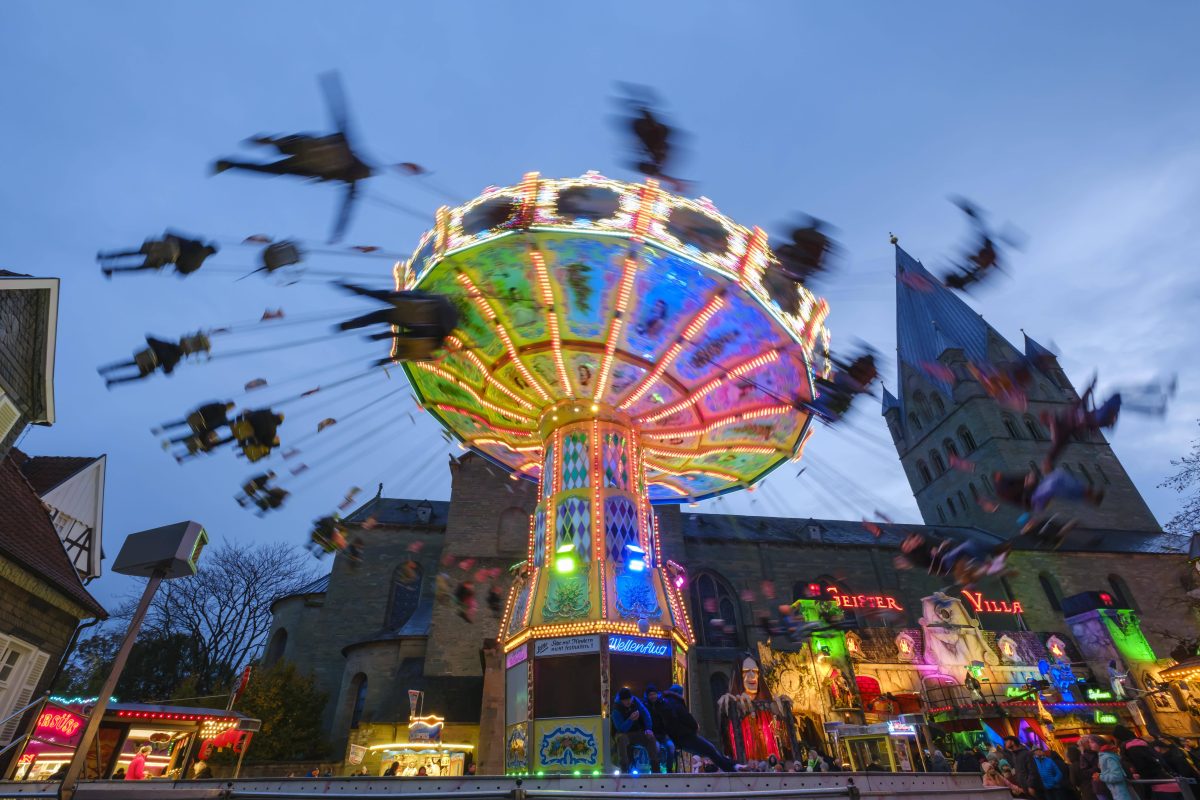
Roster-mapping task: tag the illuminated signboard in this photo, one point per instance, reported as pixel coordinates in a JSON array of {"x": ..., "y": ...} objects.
[
  {"x": 901, "y": 729},
  {"x": 853, "y": 601},
  {"x": 1016, "y": 691},
  {"x": 426, "y": 729},
  {"x": 980, "y": 604},
  {"x": 636, "y": 646},
  {"x": 58, "y": 726},
  {"x": 1104, "y": 718},
  {"x": 1099, "y": 694},
  {"x": 566, "y": 646},
  {"x": 516, "y": 657}
]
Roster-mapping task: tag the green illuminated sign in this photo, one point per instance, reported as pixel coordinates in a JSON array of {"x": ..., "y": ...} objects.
[
  {"x": 1099, "y": 694},
  {"x": 1104, "y": 718}
]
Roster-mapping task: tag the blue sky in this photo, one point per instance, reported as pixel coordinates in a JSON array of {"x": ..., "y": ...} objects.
[{"x": 1078, "y": 122}]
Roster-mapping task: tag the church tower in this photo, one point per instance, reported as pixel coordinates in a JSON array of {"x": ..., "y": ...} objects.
[{"x": 940, "y": 414}]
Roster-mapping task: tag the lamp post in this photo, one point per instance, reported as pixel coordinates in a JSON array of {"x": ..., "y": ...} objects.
[{"x": 159, "y": 554}]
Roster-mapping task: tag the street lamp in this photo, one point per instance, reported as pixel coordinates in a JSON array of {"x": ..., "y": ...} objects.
[{"x": 158, "y": 554}]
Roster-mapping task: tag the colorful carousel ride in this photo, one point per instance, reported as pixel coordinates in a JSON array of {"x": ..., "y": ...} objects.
[{"x": 617, "y": 345}]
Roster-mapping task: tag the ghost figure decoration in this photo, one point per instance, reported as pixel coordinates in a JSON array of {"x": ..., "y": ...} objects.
[
  {"x": 952, "y": 636},
  {"x": 750, "y": 676}
]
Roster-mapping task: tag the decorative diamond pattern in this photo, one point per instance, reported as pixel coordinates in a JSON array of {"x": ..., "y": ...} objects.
[
  {"x": 517, "y": 621},
  {"x": 616, "y": 462},
  {"x": 548, "y": 471},
  {"x": 573, "y": 524},
  {"x": 620, "y": 526},
  {"x": 575, "y": 474},
  {"x": 539, "y": 536}
]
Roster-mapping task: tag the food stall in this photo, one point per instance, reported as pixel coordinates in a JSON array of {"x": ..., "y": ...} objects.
[
  {"x": 424, "y": 750},
  {"x": 178, "y": 736}
]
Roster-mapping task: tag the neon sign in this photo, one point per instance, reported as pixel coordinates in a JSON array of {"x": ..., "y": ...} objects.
[
  {"x": 1104, "y": 718},
  {"x": 882, "y": 601},
  {"x": 978, "y": 602},
  {"x": 901, "y": 729},
  {"x": 660, "y": 648},
  {"x": 1099, "y": 694},
  {"x": 58, "y": 726}
]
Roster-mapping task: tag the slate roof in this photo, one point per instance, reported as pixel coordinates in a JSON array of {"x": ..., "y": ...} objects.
[
  {"x": 804, "y": 530},
  {"x": 28, "y": 537},
  {"x": 1033, "y": 350},
  {"x": 47, "y": 472},
  {"x": 401, "y": 513},
  {"x": 889, "y": 401}
]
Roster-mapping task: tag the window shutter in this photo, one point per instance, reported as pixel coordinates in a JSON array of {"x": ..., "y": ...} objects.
[
  {"x": 8, "y": 415},
  {"x": 23, "y": 695}
]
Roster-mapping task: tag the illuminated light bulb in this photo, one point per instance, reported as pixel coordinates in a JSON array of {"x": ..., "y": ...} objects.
[
  {"x": 635, "y": 558},
  {"x": 679, "y": 582},
  {"x": 595, "y": 407},
  {"x": 595, "y": 772},
  {"x": 576, "y": 773},
  {"x": 564, "y": 560}
]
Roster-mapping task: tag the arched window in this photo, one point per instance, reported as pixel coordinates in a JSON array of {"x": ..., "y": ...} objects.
[
  {"x": 406, "y": 591},
  {"x": 913, "y": 422},
  {"x": 718, "y": 687},
  {"x": 1103, "y": 475},
  {"x": 512, "y": 532},
  {"x": 941, "y": 515},
  {"x": 1121, "y": 592},
  {"x": 1035, "y": 430},
  {"x": 1087, "y": 475},
  {"x": 922, "y": 406},
  {"x": 950, "y": 505},
  {"x": 358, "y": 688},
  {"x": 962, "y": 502},
  {"x": 275, "y": 648},
  {"x": 950, "y": 448},
  {"x": 968, "y": 441},
  {"x": 718, "y": 623},
  {"x": 974, "y": 493},
  {"x": 939, "y": 466},
  {"x": 1010, "y": 425},
  {"x": 923, "y": 468},
  {"x": 1052, "y": 589},
  {"x": 938, "y": 405}
]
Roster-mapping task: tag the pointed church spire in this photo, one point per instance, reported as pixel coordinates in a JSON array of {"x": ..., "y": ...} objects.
[
  {"x": 889, "y": 401},
  {"x": 1034, "y": 351}
]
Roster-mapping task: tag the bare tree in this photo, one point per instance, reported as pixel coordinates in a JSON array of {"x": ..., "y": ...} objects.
[
  {"x": 1188, "y": 476},
  {"x": 225, "y": 608}
]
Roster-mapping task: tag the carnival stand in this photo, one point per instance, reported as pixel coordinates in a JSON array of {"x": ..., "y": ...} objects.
[{"x": 617, "y": 345}]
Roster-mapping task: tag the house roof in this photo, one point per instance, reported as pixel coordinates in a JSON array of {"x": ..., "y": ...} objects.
[
  {"x": 28, "y": 537},
  {"x": 889, "y": 401},
  {"x": 44, "y": 473},
  {"x": 1035, "y": 351},
  {"x": 401, "y": 513}
]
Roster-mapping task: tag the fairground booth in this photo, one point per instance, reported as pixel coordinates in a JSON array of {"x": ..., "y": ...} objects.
[{"x": 179, "y": 737}]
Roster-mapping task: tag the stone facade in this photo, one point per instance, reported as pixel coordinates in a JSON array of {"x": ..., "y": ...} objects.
[{"x": 25, "y": 311}]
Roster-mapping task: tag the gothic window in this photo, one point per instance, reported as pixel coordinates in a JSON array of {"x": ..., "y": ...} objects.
[
  {"x": 1035, "y": 430},
  {"x": 950, "y": 448},
  {"x": 962, "y": 502},
  {"x": 715, "y": 607},
  {"x": 1087, "y": 475},
  {"x": 1010, "y": 425},
  {"x": 359, "y": 688},
  {"x": 967, "y": 440},
  {"x": 938, "y": 405},
  {"x": 939, "y": 466},
  {"x": 922, "y": 406},
  {"x": 1121, "y": 592},
  {"x": 1052, "y": 589},
  {"x": 1103, "y": 476},
  {"x": 923, "y": 468},
  {"x": 913, "y": 422},
  {"x": 406, "y": 591},
  {"x": 275, "y": 647},
  {"x": 950, "y": 505},
  {"x": 974, "y": 493},
  {"x": 941, "y": 515}
]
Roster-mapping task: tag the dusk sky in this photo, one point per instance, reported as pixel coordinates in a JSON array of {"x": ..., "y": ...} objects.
[{"x": 1078, "y": 123}]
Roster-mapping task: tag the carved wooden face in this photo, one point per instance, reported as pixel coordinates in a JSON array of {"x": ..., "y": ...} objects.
[{"x": 750, "y": 676}]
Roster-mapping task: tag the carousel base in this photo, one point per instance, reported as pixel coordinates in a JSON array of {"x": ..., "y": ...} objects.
[{"x": 875, "y": 785}]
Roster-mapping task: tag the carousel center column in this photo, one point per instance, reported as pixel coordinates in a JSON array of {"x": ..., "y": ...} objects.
[{"x": 594, "y": 608}]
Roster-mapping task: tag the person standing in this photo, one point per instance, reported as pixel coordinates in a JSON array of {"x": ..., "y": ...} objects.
[
  {"x": 967, "y": 761},
  {"x": 1025, "y": 772},
  {"x": 938, "y": 762},
  {"x": 658, "y": 718},
  {"x": 1112, "y": 775},
  {"x": 634, "y": 726},
  {"x": 1052, "y": 777},
  {"x": 137, "y": 766}
]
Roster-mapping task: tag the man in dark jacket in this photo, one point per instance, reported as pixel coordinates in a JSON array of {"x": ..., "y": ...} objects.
[
  {"x": 632, "y": 722},
  {"x": 968, "y": 762},
  {"x": 682, "y": 728},
  {"x": 1025, "y": 771},
  {"x": 1145, "y": 762},
  {"x": 1175, "y": 759},
  {"x": 659, "y": 714}
]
